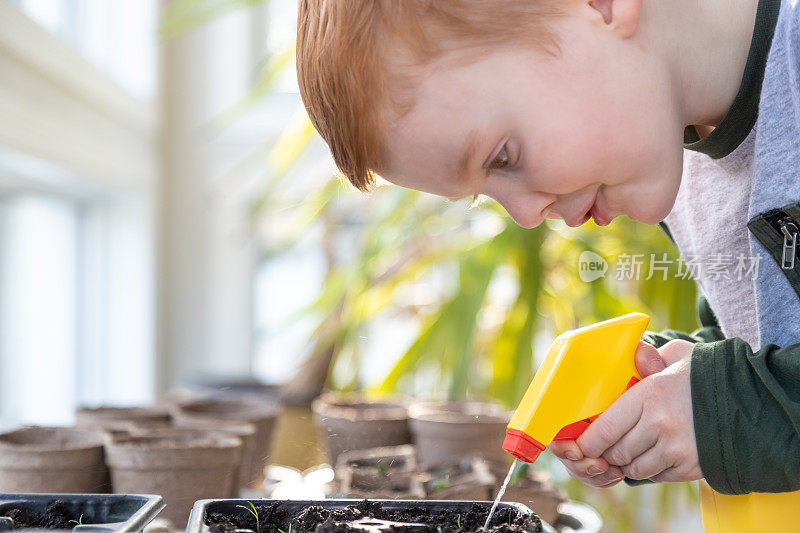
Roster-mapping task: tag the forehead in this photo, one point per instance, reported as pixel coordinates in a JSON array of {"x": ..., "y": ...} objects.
[
  {"x": 455, "y": 105},
  {"x": 423, "y": 147}
]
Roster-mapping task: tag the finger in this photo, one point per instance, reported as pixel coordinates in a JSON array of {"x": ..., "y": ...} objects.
[
  {"x": 566, "y": 449},
  {"x": 587, "y": 468},
  {"x": 667, "y": 476},
  {"x": 610, "y": 477},
  {"x": 632, "y": 445},
  {"x": 648, "y": 465},
  {"x": 590, "y": 467},
  {"x": 675, "y": 350},
  {"x": 648, "y": 360},
  {"x": 612, "y": 424},
  {"x": 676, "y": 474}
]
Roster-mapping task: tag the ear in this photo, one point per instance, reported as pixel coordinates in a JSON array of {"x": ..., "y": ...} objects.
[{"x": 621, "y": 16}]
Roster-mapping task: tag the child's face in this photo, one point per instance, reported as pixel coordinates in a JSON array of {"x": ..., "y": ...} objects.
[{"x": 594, "y": 130}]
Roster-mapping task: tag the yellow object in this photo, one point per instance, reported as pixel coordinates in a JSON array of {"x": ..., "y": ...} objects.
[
  {"x": 776, "y": 513},
  {"x": 584, "y": 372}
]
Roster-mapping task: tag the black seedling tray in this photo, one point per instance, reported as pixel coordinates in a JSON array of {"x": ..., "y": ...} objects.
[
  {"x": 128, "y": 513},
  {"x": 201, "y": 508}
]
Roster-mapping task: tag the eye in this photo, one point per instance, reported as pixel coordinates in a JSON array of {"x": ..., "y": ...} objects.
[{"x": 500, "y": 160}]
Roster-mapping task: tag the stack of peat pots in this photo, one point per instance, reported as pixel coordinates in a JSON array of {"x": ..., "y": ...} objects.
[
  {"x": 467, "y": 478},
  {"x": 457, "y": 456},
  {"x": 355, "y": 423},
  {"x": 122, "y": 418},
  {"x": 148, "y": 453},
  {"x": 389, "y": 472},
  {"x": 134, "y": 450},
  {"x": 182, "y": 465},
  {"x": 251, "y": 419},
  {"x": 446, "y": 430}
]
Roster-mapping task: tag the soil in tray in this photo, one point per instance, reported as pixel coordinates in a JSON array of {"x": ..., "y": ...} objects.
[
  {"x": 55, "y": 517},
  {"x": 370, "y": 517}
]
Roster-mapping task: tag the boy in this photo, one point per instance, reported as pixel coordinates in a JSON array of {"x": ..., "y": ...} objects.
[{"x": 579, "y": 109}]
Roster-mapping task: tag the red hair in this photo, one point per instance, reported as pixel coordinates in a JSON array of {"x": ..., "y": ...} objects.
[{"x": 344, "y": 72}]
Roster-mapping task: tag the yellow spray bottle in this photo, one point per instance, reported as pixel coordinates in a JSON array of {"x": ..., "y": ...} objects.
[{"x": 584, "y": 372}]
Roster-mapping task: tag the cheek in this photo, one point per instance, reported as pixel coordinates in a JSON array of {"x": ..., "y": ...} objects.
[{"x": 572, "y": 159}]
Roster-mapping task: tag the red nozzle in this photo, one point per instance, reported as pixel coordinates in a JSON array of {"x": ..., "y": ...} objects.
[{"x": 522, "y": 446}]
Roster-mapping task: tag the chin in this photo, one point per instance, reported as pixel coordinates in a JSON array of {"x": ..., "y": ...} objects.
[
  {"x": 652, "y": 213},
  {"x": 651, "y": 216}
]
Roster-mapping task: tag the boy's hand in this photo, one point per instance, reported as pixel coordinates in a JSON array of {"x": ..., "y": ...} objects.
[{"x": 648, "y": 433}]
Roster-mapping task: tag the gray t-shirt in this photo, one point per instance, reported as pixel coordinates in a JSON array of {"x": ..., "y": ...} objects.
[{"x": 719, "y": 196}]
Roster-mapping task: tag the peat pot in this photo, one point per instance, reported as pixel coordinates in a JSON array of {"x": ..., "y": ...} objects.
[
  {"x": 209, "y": 387},
  {"x": 389, "y": 472},
  {"x": 446, "y": 430},
  {"x": 52, "y": 459},
  {"x": 113, "y": 418},
  {"x": 245, "y": 431},
  {"x": 355, "y": 423},
  {"x": 468, "y": 479},
  {"x": 262, "y": 414},
  {"x": 183, "y": 466}
]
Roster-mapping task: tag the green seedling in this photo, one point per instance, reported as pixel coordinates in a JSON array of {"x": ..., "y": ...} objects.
[
  {"x": 253, "y": 511},
  {"x": 383, "y": 469},
  {"x": 288, "y": 530},
  {"x": 439, "y": 529},
  {"x": 440, "y": 483},
  {"x": 79, "y": 521},
  {"x": 458, "y": 521}
]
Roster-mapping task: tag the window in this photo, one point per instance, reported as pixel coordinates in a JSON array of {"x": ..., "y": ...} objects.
[{"x": 77, "y": 172}]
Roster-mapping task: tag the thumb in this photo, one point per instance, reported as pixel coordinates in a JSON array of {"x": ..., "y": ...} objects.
[{"x": 648, "y": 360}]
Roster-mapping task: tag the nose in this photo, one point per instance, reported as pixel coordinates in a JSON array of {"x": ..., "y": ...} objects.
[{"x": 527, "y": 210}]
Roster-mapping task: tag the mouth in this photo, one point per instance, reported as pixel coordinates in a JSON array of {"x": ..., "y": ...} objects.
[
  {"x": 586, "y": 213},
  {"x": 593, "y": 210},
  {"x": 599, "y": 214}
]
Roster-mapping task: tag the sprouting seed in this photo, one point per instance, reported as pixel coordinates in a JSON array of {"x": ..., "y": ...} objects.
[
  {"x": 253, "y": 511},
  {"x": 458, "y": 521},
  {"x": 79, "y": 521}
]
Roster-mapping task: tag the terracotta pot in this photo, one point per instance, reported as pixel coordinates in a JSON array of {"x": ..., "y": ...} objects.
[
  {"x": 183, "y": 466},
  {"x": 533, "y": 488},
  {"x": 354, "y": 423},
  {"x": 447, "y": 430},
  {"x": 261, "y": 413},
  {"x": 245, "y": 431},
  {"x": 388, "y": 473},
  {"x": 468, "y": 479},
  {"x": 52, "y": 459},
  {"x": 115, "y": 418}
]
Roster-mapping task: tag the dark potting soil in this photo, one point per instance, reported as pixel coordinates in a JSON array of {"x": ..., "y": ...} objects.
[
  {"x": 274, "y": 518},
  {"x": 56, "y": 516}
]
